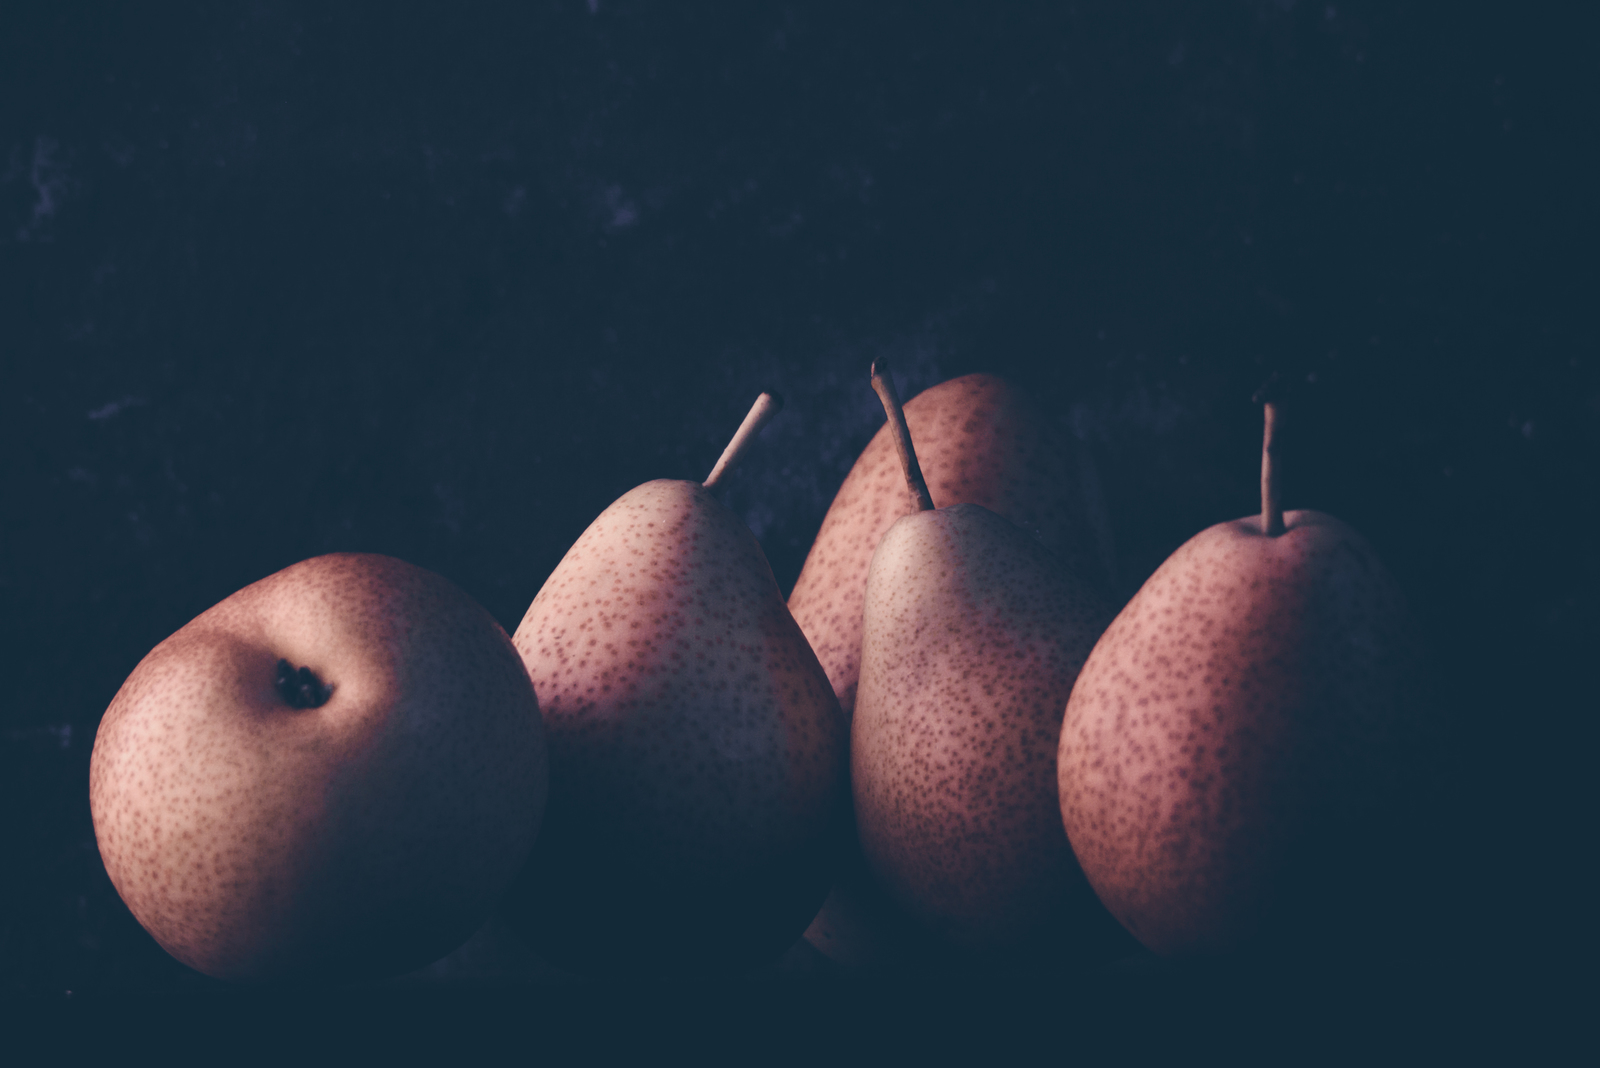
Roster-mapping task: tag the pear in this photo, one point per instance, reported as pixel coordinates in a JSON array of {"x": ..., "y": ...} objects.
[
  {"x": 973, "y": 634},
  {"x": 697, "y": 751},
  {"x": 1229, "y": 759},
  {"x": 982, "y": 441},
  {"x": 331, "y": 775}
]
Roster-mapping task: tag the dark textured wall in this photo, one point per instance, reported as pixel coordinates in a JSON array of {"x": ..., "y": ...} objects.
[{"x": 443, "y": 280}]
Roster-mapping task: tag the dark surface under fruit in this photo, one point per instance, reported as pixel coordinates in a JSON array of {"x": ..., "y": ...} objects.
[{"x": 443, "y": 281}]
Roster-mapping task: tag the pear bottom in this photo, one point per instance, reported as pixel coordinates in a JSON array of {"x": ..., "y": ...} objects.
[{"x": 860, "y": 927}]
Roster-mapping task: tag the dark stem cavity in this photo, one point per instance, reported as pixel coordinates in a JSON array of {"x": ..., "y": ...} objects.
[{"x": 302, "y": 688}]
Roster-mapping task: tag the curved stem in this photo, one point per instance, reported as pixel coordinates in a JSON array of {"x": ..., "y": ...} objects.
[
  {"x": 883, "y": 385},
  {"x": 1271, "y": 504},
  {"x": 766, "y": 406}
]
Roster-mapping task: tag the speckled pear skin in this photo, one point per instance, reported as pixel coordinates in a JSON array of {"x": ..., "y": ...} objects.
[
  {"x": 698, "y": 769},
  {"x": 368, "y": 836},
  {"x": 1228, "y": 763},
  {"x": 973, "y": 636},
  {"x": 979, "y": 440}
]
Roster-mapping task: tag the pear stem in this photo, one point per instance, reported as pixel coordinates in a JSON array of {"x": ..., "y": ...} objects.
[
  {"x": 766, "y": 406},
  {"x": 883, "y": 385},
  {"x": 1271, "y": 502}
]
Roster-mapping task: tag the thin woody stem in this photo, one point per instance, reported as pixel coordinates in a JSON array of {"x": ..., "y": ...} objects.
[
  {"x": 883, "y": 385},
  {"x": 1271, "y": 502},
  {"x": 766, "y": 406}
]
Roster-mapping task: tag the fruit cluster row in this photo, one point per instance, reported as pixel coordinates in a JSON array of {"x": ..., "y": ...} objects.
[{"x": 948, "y": 740}]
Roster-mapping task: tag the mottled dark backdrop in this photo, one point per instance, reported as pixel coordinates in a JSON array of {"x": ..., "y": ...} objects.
[{"x": 443, "y": 280}]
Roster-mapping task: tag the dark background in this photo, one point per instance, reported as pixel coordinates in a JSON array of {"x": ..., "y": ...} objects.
[{"x": 442, "y": 281}]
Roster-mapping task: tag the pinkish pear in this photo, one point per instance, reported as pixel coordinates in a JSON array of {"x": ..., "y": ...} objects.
[
  {"x": 697, "y": 752},
  {"x": 980, "y": 441},
  {"x": 331, "y": 775},
  {"x": 1229, "y": 762},
  {"x": 972, "y": 636}
]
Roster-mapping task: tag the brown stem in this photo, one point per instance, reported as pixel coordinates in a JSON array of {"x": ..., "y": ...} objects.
[
  {"x": 1271, "y": 504},
  {"x": 766, "y": 406},
  {"x": 883, "y": 385}
]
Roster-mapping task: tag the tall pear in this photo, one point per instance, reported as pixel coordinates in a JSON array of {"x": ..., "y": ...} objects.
[
  {"x": 1230, "y": 761},
  {"x": 981, "y": 441},
  {"x": 697, "y": 752},
  {"x": 972, "y": 636}
]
